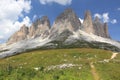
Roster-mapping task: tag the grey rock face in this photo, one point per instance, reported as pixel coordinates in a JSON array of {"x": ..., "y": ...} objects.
[
  {"x": 19, "y": 35},
  {"x": 98, "y": 26},
  {"x": 101, "y": 29},
  {"x": 106, "y": 30},
  {"x": 87, "y": 23},
  {"x": 66, "y": 20},
  {"x": 40, "y": 27}
]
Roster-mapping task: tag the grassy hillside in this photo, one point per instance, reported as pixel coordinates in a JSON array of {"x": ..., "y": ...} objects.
[{"x": 61, "y": 64}]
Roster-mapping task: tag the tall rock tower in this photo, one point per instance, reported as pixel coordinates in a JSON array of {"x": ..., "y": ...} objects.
[
  {"x": 66, "y": 20},
  {"x": 101, "y": 29},
  {"x": 87, "y": 23}
]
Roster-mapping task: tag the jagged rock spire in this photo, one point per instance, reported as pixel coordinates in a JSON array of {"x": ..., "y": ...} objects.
[
  {"x": 66, "y": 20},
  {"x": 106, "y": 30},
  {"x": 97, "y": 19},
  {"x": 39, "y": 27},
  {"x": 19, "y": 35},
  {"x": 101, "y": 29},
  {"x": 87, "y": 23}
]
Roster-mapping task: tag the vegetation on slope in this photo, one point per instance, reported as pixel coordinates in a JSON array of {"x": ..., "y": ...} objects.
[{"x": 60, "y": 64}]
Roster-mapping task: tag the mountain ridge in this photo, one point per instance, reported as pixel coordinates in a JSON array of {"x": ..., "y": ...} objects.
[
  {"x": 66, "y": 20},
  {"x": 66, "y": 32}
]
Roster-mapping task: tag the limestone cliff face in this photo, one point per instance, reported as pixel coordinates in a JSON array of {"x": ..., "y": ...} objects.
[
  {"x": 66, "y": 20},
  {"x": 101, "y": 29},
  {"x": 106, "y": 30},
  {"x": 32, "y": 31},
  {"x": 98, "y": 26},
  {"x": 19, "y": 35},
  {"x": 95, "y": 27},
  {"x": 87, "y": 23},
  {"x": 40, "y": 27},
  {"x": 43, "y": 27}
]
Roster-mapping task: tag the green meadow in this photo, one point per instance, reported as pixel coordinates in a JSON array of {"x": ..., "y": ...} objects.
[{"x": 61, "y": 64}]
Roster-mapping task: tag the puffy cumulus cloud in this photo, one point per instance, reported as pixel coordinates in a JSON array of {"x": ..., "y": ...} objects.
[
  {"x": 11, "y": 9},
  {"x": 114, "y": 21},
  {"x": 10, "y": 12},
  {"x": 81, "y": 20},
  {"x": 61, "y": 2},
  {"x": 26, "y": 21},
  {"x": 105, "y": 18},
  {"x": 7, "y": 29}
]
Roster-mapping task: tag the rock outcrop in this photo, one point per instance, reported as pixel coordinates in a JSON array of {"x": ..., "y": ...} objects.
[
  {"x": 19, "y": 35},
  {"x": 106, "y": 30},
  {"x": 87, "y": 23},
  {"x": 101, "y": 29},
  {"x": 66, "y": 20},
  {"x": 40, "y": 28},
  {"x": 95, "y": 27}
]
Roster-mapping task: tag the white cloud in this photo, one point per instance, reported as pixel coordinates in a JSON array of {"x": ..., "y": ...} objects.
[
  {"x": 61, "y": 2},
  {"x": 81, "y": 20},
  {"x": 114, "y": 21},
  {"x": 105, "y": 18},
  {"x": 98, "y": 15},
  {"x": 10, "y": 12}
]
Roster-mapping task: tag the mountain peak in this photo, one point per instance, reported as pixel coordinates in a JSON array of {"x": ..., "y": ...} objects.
[
  {"x": 68, "y": 19},
  {"x": 19, "y": 35},
  {"x": 67, "y": 14},
  {"x": 87, "y": 23},
  {"x": 97, "y": 19},
  {"x": 68, "y": 10},
  {"x": 40, "y": 26},
  {"x": 45, "y": 20},
  {"x": 87, "y": 15},
  {"x": 24, "y": 28}
]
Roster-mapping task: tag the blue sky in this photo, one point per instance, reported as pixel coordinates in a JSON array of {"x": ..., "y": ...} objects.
[{"x": 26, "y": 11}]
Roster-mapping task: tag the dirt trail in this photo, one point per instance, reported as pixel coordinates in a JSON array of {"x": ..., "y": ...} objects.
[
  {"x": 114, "y": 55},
  {"x": 94, "y": 72},
  {"x": 93, "y": 69}
]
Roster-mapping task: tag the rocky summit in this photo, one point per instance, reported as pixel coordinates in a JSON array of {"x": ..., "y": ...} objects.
[
  {"x": 22, "y": 34},
  {"x": 66, "y": 21},
  {"x": 40, "y": 28},
  {"x": 101, "y": 29},
  {"x": 87, "y": 23}
]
